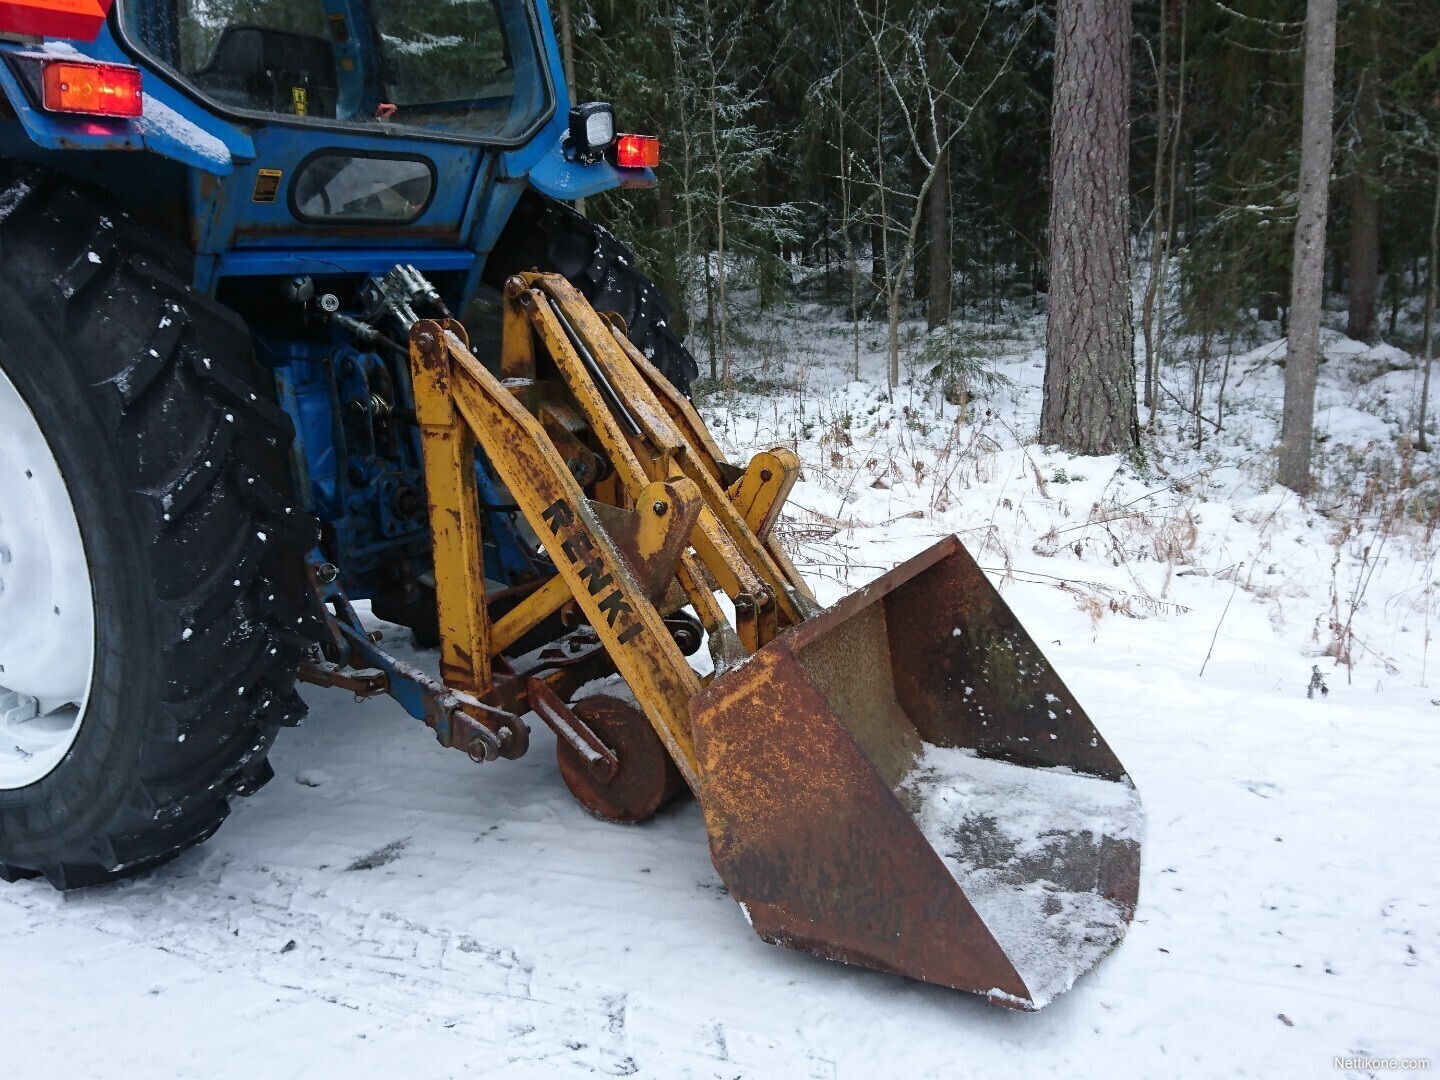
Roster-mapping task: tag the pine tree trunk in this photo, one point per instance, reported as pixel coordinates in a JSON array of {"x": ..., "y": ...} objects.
[
  {"x": 769, "y": 290},
  {"x": 892, "y": 342},
  {"x": 879, "y": 242},
  {"x": 671, "y": 268},
  {"x": 1089, "y": 405},
  {"x": 938, "y": 206},
  {"x": 1364, "y": 260},
  {"x": 1307, "y": 275},
  {"x": 1365, "y": 219},
  {"x": 941, "y": 270},
  {"x": 710, "y": 323},
  {"x": 919, "y": 275},
  {"x": 567, "y": 46},
  {"x": 718, "y": 171},
  {"x": 852, "y": 258}
]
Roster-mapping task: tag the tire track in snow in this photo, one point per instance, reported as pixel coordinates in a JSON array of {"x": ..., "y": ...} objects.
[{"x": 278, "y": 926}]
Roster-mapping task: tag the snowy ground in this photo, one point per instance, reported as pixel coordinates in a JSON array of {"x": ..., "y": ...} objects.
[{"x": 387, "y": 908}]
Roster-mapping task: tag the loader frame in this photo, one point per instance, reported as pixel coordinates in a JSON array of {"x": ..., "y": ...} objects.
[{"x": 670, "y": 523}]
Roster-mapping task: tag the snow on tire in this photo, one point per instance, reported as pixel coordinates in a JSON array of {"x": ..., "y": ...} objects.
[{"x": 176, "y": 468}]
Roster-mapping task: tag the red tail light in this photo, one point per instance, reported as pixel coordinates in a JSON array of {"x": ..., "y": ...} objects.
[
  {"x": 637, "y": 152},
  {"x": 92, "y": 89}
]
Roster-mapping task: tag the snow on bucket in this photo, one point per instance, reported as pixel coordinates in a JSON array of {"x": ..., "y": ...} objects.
[{"x": 903, "y": 782}]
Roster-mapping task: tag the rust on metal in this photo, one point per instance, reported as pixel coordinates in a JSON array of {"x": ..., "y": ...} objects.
[
  {"x": 586, "y": 556},
  {"x": 450, "y": 487},
  {"x": 648, "y": 445},
  {"x": 654, "y": 535},
  {"x": 763, "y": 487},
  {"x": 565, "y": 427},
  {"x": 804, "y": 746},
  {"x": 802, "y": 751},
  {"x": 682, "y": 413},
  {"x": 598, "y": 758},
  {"x": 525, "y": 616},
  {"x": 645, "y": 778},
  {"x": 362, "y": 682}
]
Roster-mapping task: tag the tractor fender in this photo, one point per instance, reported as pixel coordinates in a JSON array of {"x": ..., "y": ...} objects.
[
  {"x": 172, "y": 126},
  {"x": 552, "y": 174}
]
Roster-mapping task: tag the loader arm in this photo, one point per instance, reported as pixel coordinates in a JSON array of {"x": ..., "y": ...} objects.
[
  {"x": 901, "y": 781},
  {"x": 459, "y": 401}
]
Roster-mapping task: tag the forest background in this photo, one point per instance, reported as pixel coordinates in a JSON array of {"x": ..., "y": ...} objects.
[{"x": 890, "y": 158}]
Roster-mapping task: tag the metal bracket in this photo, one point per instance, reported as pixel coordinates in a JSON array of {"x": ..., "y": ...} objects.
[
  {"x": 763, "y": 488},
  {"x": 654, "y": 535},
  {"x": 353, "y": 660},
  {"x": 600, "y": 759}
]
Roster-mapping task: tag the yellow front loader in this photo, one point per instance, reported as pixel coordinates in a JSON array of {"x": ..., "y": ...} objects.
[{"x": 901, "y": 781}]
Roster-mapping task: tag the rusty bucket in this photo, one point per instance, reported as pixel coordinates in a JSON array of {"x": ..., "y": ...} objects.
[{"x": 903, "y": 782}]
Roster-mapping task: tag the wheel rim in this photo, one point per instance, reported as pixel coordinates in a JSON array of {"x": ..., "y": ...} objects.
[{"x": 47, "y": 621}]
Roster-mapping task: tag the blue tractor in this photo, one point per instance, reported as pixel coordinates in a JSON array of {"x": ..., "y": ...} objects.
[
  {"x": 207, "y": 210},
  {"x": 293, "y": 312}
]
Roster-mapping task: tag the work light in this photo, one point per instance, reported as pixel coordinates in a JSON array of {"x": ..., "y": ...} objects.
[{"x": 592, "y": 130}]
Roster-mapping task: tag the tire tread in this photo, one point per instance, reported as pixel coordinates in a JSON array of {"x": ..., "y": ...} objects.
[
  {"x": 543, "y": 234},
  {"x": 185, "y": 410}
]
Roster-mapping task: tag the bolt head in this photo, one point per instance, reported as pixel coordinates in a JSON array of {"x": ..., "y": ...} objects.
[
  {"x": 659, "y": 508},
  {"x": 425, "y": 340},
  {"x": 327, "y": 572}
]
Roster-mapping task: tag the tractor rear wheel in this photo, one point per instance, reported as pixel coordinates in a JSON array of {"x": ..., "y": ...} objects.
[
  {"x": 543, "y": 234},
  {"x": 152, "y": 608}
]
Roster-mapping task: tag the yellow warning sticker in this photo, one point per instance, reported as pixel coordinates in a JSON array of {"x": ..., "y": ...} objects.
[
  {"x": 267, "y": 185},
  {"x": 301, "y": 97}
]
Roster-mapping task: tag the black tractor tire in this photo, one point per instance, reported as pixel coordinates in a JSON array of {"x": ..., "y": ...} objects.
[
  {"x": 550, "y": 236},
  {"x": 177, "y": 464}
]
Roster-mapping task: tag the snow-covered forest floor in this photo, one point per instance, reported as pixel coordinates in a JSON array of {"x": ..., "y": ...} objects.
[{"x": 386, "y": 908}]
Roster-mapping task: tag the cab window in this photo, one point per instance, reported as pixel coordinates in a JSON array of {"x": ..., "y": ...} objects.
[{"x": 468, "y": 67}]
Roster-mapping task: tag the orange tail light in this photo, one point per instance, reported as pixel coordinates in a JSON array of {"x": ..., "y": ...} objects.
[{"x": 92, "y": 89}]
